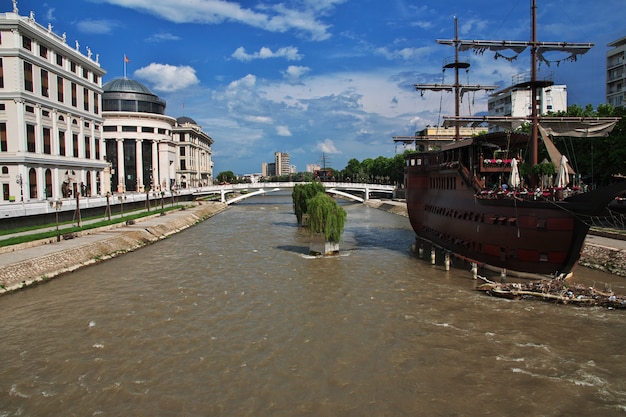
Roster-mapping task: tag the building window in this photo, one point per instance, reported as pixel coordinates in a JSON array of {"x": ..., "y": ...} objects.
[
  {"x": 75, "y": 144},
  {"x": 43, "y": 51},
  {"x": 96, "y": 106},
  {"x": 147, "y": 129},
  {"x": 28, "y": 76},
  {"x": 29, "y": 109},
  {"x": 61, "y": 143},
  {"x": 162, "y": 132},
  {"x": 60, "y": 96},
  {"x": 183, "y": 165},
  {"x": 129, "y": 128},
  {"x": 87, "y": 147},
  {"x": 109, "y": 128},
  {"x": 47, "y": 149},
  {"x": 30, "y": 138},
  {"x": 27, "y": 43},
  {"x": 74, "y": 97},
  {"x": 60, "y": 60},
  {"x": 182, "y": 151},
  {"x": 1, "y": 74},
  {"x": 85, "y": 99},
  {"x": 44, "y": 83},
  {"x": 73, "y": 66},
  {"x": 97, "y": 144},
  {"x": 85, "y": 73},
  {"x": 96, "y": 79},
  {"x": 4, "y": 146}
]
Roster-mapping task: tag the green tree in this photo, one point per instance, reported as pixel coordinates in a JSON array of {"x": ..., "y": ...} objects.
[
  {"x": 326, "y": 217},
  {"x": 300, "y": 196},
  {"x": 226, "y": 176}
]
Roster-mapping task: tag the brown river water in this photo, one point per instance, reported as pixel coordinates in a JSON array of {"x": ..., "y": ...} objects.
[{"x": 233, "y": 318}]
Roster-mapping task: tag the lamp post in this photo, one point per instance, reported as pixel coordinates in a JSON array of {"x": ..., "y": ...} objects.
[
  {"x": 108, "y": 205},
  {"x": 20, "y": 181},
  {"x": 57, "y": 206},
  {"x": 121, "y": 198}
]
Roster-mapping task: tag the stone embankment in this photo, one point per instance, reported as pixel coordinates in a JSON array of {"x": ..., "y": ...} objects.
[
  {"x": 44, "y": 262},
  {"x": 606, "y": 257}
]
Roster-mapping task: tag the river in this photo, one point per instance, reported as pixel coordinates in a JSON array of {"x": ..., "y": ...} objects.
[{"x": 232, "y": 318}]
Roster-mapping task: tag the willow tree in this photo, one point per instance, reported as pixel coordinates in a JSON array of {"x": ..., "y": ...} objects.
[
  {"x": 326, "y": 224},
  {"x": 303, "y": 192}
]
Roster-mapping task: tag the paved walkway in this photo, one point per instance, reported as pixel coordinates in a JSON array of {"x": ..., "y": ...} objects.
[{"x": 18, "y": 253}]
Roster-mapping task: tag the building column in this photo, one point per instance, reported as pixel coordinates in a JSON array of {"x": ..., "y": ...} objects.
[
  {"x": 139, "y": 165},
  {"x": 121, "y": 176},
  {"x": 156, "y": 182}
]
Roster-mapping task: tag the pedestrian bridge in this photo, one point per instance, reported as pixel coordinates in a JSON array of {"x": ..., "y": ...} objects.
[{"x": 354, "y": 191}]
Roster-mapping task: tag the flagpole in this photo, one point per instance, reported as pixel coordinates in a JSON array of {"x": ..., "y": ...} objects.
[{"x": 124, "y": 65}]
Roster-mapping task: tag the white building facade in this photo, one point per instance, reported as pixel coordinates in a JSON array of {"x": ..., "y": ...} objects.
[
  {"x": 138, "y": 136},
  {"x": 195, "y": 167},
  {"x": 50, "y": 114},
  {"x": 616, "y": 73},
  {"x": 515, "y": 101}
]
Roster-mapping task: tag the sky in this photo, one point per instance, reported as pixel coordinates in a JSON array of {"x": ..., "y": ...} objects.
[{"x": 321, "y": 78}]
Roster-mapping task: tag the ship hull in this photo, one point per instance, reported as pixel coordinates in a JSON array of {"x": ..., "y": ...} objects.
[{"x": 536, "y": 235}]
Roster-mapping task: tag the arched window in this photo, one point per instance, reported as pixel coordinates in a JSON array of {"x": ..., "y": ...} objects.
[
  {"x": 5, "y": 170},
  {"x": 48, "y": 183},
  {"x": 32, "y": 183}
]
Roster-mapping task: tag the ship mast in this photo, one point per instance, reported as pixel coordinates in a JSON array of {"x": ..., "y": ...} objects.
[
  {"x": 534, "y": 136},
  {"x": 457, "y": 88}
]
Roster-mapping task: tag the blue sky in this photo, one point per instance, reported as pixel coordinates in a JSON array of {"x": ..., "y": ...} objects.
[{"x": 309, "y": 77}]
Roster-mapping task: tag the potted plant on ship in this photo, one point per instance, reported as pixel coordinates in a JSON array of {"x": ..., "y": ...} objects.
[{"x": 326, "y": 221}]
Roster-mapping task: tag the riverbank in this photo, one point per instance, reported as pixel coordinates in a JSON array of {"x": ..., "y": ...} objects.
[
  {"x": 29, "y": 264},
  {"x": 603, "y": 252}
]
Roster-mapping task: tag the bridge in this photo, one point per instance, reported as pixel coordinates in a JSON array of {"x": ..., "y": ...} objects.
[
  {"x": 354, "y": 191},
  {"x": 343, "y": 189}
]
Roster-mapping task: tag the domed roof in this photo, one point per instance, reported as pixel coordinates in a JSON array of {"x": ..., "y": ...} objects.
[
  {"x": 126, "y": 85},
  {"x": 184, "y": 119}
]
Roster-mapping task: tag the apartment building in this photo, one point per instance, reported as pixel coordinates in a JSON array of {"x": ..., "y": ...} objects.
[
  {"x": 616, "y": 73},
  {"x": 515, "y": 101},
  {"x": 281, "y": 159},
  {"x": 50, "y": 114}
]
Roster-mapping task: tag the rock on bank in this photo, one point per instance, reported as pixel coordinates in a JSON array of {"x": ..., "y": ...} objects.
[{"x": 48, "y": 261}]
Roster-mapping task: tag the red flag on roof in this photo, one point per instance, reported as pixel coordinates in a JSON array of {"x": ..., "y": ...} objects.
[{"x": 126, "y": 59}]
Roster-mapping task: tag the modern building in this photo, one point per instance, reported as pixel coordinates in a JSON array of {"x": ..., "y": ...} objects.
[
  {"x": 515, "y": 101},
  {"x": 138, "y": 136},
  {"x": 195, "y": 167},
  {"x": 616, "y": 73},
  {"x": 281, "y": 159},
  {"x": 50, "y": 114}
]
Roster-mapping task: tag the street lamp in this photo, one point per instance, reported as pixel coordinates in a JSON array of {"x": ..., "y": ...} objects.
[
  {"x": 57, "y": 206},
  {"x": 121, "y": 198},
  {"x": 20, "y": 181}
]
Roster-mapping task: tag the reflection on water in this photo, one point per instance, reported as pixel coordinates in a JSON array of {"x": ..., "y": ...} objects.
[{"x": 233, "y": 318}]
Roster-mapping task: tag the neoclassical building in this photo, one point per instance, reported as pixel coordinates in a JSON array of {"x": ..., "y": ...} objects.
[
  {"x": 50, "y": 114},
  {"x": 195, "y": 167},
  {"x": 138, "y": 138}
]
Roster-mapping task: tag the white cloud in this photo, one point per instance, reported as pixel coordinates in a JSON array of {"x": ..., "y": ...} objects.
[
  {"x": 327, "y": 146},
  {"x": 160, "y": 37},
  {"x": 404, "y": 53},
  {"x": 273, "y": 18},
  {"x": 293, "y": 73},
  {"x": 168, "y": 78},
  {"x": 99, "y": 27},
  {"x": 290, "y": 53},
  {"x": 258, "y": 119},
  {"x": 283, "y": 131}
]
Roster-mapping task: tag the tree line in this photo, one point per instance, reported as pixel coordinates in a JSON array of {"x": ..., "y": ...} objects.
[{"x": 603, "y": 158}]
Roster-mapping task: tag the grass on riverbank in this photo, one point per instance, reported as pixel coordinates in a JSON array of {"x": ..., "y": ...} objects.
[{"x": 88, "y": 224}]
